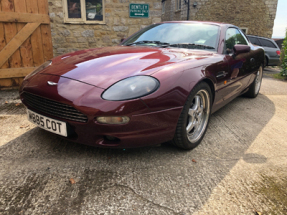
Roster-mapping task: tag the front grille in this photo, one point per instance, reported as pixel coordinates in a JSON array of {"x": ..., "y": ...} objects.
[{"x": 54, "y": 108}]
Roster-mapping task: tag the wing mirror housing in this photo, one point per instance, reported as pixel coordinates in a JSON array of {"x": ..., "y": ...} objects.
[
  {"x": 123, "y": 39},
  {"x": 240, "y": 49}
]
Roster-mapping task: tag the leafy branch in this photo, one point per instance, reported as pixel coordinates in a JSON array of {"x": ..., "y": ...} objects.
[{"x": 284, "y": 57}]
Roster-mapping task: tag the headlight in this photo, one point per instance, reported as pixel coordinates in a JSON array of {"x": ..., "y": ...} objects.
[
  {"x": 131, "y": 88},
  {"x": 43, "y": 66}
]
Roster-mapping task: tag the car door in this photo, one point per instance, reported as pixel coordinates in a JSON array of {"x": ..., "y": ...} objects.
[{"x": 234, "y": 78}]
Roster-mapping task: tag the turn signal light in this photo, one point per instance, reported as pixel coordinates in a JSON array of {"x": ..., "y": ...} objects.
[
  {"x": 278, "y": 53},
  {"x": 116, "y": 120}
]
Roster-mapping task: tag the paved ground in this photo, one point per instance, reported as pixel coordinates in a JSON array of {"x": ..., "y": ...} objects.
[{"x": 240, "y": 166}]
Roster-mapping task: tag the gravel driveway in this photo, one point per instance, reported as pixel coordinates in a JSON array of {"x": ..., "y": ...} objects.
[{"x": 239, "y": 168}]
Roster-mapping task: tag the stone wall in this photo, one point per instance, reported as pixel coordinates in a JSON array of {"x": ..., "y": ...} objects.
[
  {"x": 256, "y": 15},
  {"x": 167, "y": 15},
  {"x": 72, "y": 37}
]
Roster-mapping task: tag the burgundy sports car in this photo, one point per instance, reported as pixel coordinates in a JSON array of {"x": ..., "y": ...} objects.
[{"x": 159, "y": 85}]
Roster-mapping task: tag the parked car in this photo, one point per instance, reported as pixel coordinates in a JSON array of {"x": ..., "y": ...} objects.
[
  {"x": 272, "y": 51},
  {"x": 161, "y": 84}
]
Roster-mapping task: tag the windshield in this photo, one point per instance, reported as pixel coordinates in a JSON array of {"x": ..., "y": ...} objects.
[{"x": 180, "y": 35}]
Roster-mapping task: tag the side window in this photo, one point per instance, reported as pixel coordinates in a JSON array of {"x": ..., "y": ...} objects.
[
  {"x": 254, "y": 41},
  {"x": 267, "y": 43},
  {"x": 74, "y": 9},
  {"x": 244, "y": 35},
  {"x": 234, "y": 37}
]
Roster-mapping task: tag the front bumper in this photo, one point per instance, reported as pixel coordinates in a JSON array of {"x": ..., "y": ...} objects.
[
  {"x": 142, "y": 130},
  {"x": 145, "y": 127}
]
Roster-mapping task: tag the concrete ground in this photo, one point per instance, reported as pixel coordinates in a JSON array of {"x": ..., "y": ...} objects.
[{"x": 239, "y": 168}]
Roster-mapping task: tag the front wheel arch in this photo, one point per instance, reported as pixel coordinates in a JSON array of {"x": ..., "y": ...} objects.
[
  {"x": 181, "y": 138},
  {"x": 211, "y": 85}
]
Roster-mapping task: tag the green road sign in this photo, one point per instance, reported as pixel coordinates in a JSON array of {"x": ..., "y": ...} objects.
[{"x": 139, "y": 10}]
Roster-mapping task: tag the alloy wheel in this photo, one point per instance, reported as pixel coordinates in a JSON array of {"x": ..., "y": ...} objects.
[{"x": 198, "y": 116}]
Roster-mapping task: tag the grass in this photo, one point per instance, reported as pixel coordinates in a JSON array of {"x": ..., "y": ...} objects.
[
  {"x": 275, "y": 67},
  {"x": 280, "y": 77}
]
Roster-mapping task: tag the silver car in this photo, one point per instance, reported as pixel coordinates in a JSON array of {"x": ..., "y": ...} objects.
[{"x": 272, "y": 51}]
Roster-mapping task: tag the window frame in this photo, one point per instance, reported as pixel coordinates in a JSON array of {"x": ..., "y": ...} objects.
[
  {"x": 83, "y": 19},
  {"x": 163, "y": 7},
  {"x": 244, "y": 28},
  {"x": 177, "y": 5}
]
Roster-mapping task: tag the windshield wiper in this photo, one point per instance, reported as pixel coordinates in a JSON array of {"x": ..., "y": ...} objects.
[
  {"x": 178, "y": 45},
  {"x": 191, "y": 45},
  {"x": 148, "y": 41}
]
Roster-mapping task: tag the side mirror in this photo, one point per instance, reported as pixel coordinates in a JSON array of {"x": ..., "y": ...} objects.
[
  {"x": 239, "y": 49},
  {"x": 122, "y": 40}
]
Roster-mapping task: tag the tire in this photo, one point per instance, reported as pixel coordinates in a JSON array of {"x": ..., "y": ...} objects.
[
  {"x": 194, "y": 118},
  {"x": 256, "y": 84},
  {"x": 265, "y": 62}
]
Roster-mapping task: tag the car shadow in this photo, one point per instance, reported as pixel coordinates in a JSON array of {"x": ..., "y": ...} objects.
[{"x": 36, "y": 168}]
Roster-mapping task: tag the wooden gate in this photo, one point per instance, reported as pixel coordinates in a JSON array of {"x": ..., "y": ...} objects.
[{"x": 25, "y": 39}]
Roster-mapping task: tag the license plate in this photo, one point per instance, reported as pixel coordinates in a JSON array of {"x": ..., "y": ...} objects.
[{"x": 49, "y": 124}]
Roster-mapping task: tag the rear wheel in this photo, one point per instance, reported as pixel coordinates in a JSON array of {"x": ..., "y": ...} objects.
[
  {"x": 194, "y": 118},
  {"x": 265, "y": 62},
  {"x": 256, "y": 84}
]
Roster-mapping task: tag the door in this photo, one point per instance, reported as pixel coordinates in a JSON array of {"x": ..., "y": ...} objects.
[
  {"x": 25, "y": 39},
  {"x": 233, "y": 76}
]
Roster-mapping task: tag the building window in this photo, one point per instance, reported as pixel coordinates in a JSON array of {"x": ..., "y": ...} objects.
[
  {"x": 163, "y": 7},
  {"x": 244, "y": 30},
  {"x": 178, "y": 4},
  {"x": 84, "y": 11}
]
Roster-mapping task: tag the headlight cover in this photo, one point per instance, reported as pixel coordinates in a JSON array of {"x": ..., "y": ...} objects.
[
  {"x": 43, "y": 66},
  {"x": 131, "y": 88}
]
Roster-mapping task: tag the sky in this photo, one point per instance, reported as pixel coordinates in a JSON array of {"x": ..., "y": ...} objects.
[{"x": 280, "y": 23}]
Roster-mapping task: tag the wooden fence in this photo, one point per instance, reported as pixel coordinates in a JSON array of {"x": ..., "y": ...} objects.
[{"x": 25, "y": 39}]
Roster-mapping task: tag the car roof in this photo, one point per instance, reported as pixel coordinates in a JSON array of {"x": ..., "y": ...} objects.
[
  {"x": 271, "y": 40},
  {"x": 259, "y": 37},
  {"x": 203, "y": 22}
]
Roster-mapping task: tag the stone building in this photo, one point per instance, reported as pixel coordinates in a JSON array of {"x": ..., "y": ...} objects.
[
  {"x": 255, "y": 17},
  {"x": 82, "y": 24}
]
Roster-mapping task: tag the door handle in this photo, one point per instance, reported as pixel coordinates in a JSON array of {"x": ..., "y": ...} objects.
[{"x": 221, "y": 74}]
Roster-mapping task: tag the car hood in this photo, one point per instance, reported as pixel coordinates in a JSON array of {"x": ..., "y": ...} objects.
[{"x": 103, "y": 67}]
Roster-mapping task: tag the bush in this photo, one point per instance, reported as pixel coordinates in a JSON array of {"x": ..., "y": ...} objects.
[{"x": 284, "y": 57}]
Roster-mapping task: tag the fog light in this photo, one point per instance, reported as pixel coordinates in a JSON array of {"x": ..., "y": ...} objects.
[
  {"x": 111, "y": 138},
  {"x": 117, "y": 120}
]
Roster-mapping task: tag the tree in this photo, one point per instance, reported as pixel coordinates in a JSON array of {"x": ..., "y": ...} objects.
[{"x": 284, "y": 57}]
